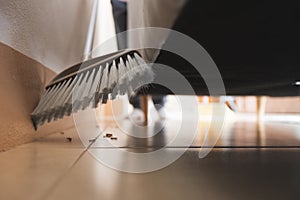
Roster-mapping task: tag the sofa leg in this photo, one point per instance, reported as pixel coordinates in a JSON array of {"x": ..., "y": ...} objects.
[
  {"x": 144, "y": 104},
  {"x": 261, "y": 102}
]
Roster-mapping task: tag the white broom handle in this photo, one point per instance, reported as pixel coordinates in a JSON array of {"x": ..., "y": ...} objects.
[{"x": 91, "y": 32}]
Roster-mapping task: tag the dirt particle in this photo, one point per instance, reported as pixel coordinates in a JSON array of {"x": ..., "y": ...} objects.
[{"x": 108, "y": 135}]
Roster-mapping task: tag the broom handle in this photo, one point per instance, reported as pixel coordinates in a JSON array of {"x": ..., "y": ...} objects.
[{"x": 87, "y": 54}]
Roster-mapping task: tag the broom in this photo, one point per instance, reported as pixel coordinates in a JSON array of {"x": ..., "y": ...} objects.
[{"x": 91, "y": 82}]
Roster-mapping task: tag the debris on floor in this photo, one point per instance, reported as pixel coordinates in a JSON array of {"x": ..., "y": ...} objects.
[
  {"x": 108, "y": 135},
  {"x": 111, "y": 136}
]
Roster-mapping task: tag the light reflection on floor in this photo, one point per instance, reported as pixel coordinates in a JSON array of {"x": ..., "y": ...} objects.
[{"x": 250, "y": 160}]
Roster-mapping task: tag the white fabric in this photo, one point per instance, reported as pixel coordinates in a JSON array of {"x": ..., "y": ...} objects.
[
  {"x": 53, "y": 32},
  {"x": 105, "y": 41},
  {"x": 151, "y": 13}
]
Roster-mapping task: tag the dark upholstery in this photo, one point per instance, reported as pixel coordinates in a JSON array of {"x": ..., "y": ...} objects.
[{"x": 255, "y": 44}]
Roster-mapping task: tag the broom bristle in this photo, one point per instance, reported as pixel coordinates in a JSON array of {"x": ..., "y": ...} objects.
[{"x": 94, "y": 83}]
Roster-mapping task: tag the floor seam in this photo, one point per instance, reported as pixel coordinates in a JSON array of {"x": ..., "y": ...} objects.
[{"x": 63, "y": 175}]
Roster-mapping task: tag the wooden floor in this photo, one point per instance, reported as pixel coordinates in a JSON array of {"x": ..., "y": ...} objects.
[{"x": 250, "y": 160}]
